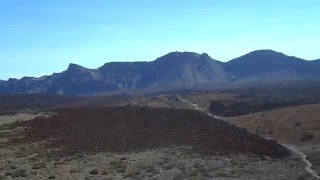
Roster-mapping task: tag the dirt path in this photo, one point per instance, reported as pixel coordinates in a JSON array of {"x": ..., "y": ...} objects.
[
  {"x": 196, "y": 107},
  {"x": 303, "y": 157},
  {"x": 8, "y": 119}
]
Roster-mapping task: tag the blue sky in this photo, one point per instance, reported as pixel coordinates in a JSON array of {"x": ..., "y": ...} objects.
[{"x": 39, "y": 37}]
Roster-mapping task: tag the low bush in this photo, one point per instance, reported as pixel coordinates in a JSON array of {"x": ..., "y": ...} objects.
[
  {"x": 94, "y": 171},
  {"x": 307, "y": 137}
]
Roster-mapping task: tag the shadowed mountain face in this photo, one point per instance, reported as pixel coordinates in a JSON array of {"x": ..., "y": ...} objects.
[
  {"x": 176, "y": 69},
  {"x": 271, "y": 65},
  {"x": 173, "y": 69}
]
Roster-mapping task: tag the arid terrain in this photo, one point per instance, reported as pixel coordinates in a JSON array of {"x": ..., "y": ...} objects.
[
  {"x": 46, "y": 156},
  {"x": 159, "y": 90},
  {"x": 298, "y": 126},
  {"x": 294, "y": 125},
  {"x": 178, "y": 135}
]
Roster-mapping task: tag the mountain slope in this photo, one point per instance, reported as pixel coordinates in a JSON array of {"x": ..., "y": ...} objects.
[
  {"x": 270, "y": 65},
  {"x": 83, "y": 129},
  {"x": 75, "y": 80},
  {"x": 173, "y": 69},
  {"x": 176, "y": 69},
  {"x": 188, "y": 69}
]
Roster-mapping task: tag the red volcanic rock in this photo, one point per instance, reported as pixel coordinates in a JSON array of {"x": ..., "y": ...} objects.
[{"x": 129, "y": 128}]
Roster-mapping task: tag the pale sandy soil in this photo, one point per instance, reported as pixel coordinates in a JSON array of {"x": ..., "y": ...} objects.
[
  {"x": 18, "y": 117},
  {"x": 308, "y": 152},
  {"x": 286, "y": 125}
]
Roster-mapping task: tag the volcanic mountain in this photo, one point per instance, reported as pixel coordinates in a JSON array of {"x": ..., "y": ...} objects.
[{"x": 174, "y": 70}]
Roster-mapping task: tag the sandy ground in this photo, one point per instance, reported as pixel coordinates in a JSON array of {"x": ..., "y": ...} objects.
[
  {"x": 8, "y": 119},
  {"x": 287, "y": 125}
]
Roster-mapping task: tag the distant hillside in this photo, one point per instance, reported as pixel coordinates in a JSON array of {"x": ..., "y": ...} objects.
[
  {"x": 287, "y": 125},
  {"x": 271, "y": 65},
  {"x": 176, "y": 69}
]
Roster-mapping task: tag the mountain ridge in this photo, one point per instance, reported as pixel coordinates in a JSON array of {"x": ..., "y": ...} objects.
[{"x": 175, "y": 69}]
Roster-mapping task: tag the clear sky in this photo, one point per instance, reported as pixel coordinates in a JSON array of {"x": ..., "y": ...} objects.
[{"x": 39, "y": 37}]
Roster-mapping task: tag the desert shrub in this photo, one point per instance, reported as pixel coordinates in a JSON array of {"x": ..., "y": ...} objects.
[
  {"x": 33, "y": 158},
  {"x": 259, "y": 131},
  {"x": 75, "y": 170},
  {"x": 181, "y": 166},
  {"x": 52, "y": 177},
  {"x": 197, "y": 165},
  {"x": 121, "y": 170},
  {"x": 129, "y": 175},
  {"x": 180, "y": 176},
  {"x": 123, "y": 158},
  {"x": 169, "y": 166},
  {"x": 151, "y": 169},
  {"x": 20, "y": 173},
  {"x": 193, "y": 173},
  {"x": 59, "y": 163},
  {"x": 234, "y": 162},
  {"x": 38, "y": 166},
  {"x": 297, "y": 124},
  {"x": 78, "y": 156},
  {"x": 221, "y": 174},
  {"x": 94, "y": 171},
  {"x": 13, "y": 167},
  {"x": 105, "y": 172},
  {"x": 20, "y": 155},
  {"x": 307, "y": 136},
  {"x": 118, "y": 164},
  {"x": 137, "y": 173},
  {"x": 8, "y": 174}
]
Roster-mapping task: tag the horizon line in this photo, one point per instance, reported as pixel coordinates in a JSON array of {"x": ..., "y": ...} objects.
[{"x": 71, "y": 63}]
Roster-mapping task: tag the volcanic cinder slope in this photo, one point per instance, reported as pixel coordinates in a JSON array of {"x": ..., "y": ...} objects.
[{"x": 128, "y": 128}]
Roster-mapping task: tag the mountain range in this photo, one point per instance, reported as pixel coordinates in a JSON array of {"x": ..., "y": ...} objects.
[{"x": 176, "y": 69}]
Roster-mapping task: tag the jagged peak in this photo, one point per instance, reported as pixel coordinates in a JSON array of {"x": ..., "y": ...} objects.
[
  {"x": 13, "y": 79},
  {"x": 74, "y": 66}
]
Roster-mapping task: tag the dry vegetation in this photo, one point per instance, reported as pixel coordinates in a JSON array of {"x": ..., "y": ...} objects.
[{"x": 35, "y": 161}]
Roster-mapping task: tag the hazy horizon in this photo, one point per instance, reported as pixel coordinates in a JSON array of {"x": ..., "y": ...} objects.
[{"x": 39, "y": 38}]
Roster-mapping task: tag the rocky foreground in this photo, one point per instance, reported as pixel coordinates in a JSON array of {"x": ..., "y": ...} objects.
[{"x": 139, "y": 143}]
